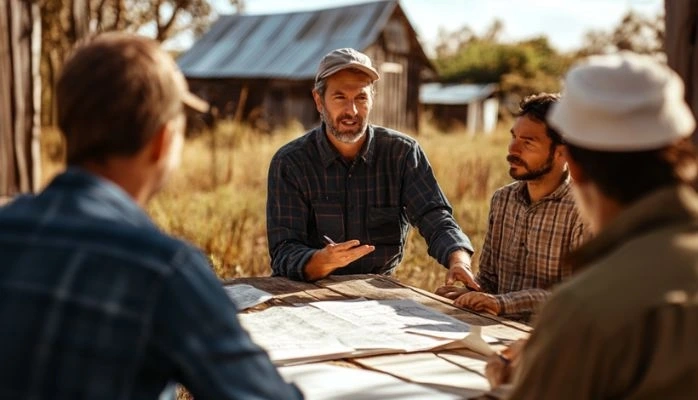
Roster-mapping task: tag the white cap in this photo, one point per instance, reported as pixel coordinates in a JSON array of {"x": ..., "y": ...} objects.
[{"x": 622, "y": 102}]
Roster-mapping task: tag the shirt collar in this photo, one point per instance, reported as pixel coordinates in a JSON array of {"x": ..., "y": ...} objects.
[
  {"x": 556, "y": 195},
  {"x": 674, "y": 204},
  {"x": 100, "y": 195},
  {"x": 328, "y": 154}
]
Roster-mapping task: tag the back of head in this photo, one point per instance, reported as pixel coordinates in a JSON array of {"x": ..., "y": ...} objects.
[
  {"x": 113, "y": 95},
  {"x": 625, "y": 122}
]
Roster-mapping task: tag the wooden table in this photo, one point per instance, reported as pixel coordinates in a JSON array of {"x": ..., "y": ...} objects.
[{"x": 379, "y": 287}]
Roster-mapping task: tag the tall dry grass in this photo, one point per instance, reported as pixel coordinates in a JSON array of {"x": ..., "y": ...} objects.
[{"x": 217, "y": 198}]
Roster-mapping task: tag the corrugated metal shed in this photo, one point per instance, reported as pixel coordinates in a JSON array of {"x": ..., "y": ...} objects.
[
  {"x": 282, "y": 46},
  {"x": 458, "y": 94}
]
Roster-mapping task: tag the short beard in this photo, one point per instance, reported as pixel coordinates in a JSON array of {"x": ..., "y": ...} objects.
[
  {"x": 531, "y": 175},
  {"x": 343, "y": 137}
]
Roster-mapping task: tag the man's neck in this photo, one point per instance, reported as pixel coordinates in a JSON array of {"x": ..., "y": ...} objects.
[
  {"x": 539, "y": 188},
  {"x": 349, "y": 151},
  {"x": 125, "y": 174}
]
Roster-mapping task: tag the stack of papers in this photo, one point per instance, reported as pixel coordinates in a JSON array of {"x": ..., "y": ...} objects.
[{"x": 339, "y": 329}]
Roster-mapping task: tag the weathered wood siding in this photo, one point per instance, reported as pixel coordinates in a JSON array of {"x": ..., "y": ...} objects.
[{"x": 20, "y": 92}]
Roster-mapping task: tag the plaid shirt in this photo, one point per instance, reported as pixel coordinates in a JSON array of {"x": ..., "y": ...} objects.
[
  {"x": 525, "y": 246},
  {"x": 97, "y": 303},
  {"x": 313, "y": 192}
]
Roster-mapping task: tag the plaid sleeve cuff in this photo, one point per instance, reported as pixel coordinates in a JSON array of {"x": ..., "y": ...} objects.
[{"x": 522, "y": 301}]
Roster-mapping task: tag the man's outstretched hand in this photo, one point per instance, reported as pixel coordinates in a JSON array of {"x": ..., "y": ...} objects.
[{"x": 334, "y": 256}]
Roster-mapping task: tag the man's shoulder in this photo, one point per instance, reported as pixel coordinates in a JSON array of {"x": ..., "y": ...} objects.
[
  {"x": 507, "y": 191},
  {"x": 128, "y": 240},
  {"x": 389, "y": 136},
  {"x": 298, "y": 146}
]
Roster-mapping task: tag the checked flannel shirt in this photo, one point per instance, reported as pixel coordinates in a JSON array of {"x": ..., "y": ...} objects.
[
  {"x": 525, "y": 246},
  {"x": 97, "y": 303},
  {"x": 313, "y": 192}
]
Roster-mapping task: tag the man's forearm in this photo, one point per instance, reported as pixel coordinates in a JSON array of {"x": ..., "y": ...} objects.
[{"x": 290, "y": 259}]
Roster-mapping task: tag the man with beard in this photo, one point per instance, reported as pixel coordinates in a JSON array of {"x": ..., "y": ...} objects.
[
  {"x": 533, "y": 222},
  {"x": 625, "y": 326},
  {"x": 341, "y": 198}
]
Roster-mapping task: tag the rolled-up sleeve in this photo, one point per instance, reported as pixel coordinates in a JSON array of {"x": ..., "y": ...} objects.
[{"x": 429, "y": 210}]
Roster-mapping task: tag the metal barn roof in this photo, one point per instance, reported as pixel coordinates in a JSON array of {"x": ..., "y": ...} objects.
[
  {"x": 437, "y": 93},
  {"x": 286, "y": 46}
]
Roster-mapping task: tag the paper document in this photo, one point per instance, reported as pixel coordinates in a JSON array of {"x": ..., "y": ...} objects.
[
  {"x": 397, "y": 315},
  {"x": 428, "y": 368},
  {"x": 290, "y": 335},
  {"x": 246, "y": 296},
  {"x": 329, "y": 382},
  {"x": 339, "y": 329}
]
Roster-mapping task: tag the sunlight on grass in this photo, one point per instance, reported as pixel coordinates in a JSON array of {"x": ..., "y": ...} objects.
[{"x": 217, "y": 198}]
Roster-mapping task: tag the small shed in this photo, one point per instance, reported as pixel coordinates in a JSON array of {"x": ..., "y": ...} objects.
[
  {"x": 474, "y": 106},
  {"x": 261, "y": 68}
]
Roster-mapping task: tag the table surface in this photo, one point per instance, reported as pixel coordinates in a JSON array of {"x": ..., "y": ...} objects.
[{"x": 379, "y": 287}]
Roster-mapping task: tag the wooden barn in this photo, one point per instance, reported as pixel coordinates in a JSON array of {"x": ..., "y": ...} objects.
[{"x": 261, "y": 68}]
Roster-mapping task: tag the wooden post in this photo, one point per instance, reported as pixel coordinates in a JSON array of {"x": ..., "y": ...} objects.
[
  {"x": 20, "y": 97},
  {"x": 681, "y": 46}
]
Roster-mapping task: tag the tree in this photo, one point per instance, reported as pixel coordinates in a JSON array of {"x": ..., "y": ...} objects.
[
  {"x": 637, "y": 33},
  {"x": 19, "y": 100},
  {"x": 66, "y": 22},
  {"x": 520, "y": 68}
]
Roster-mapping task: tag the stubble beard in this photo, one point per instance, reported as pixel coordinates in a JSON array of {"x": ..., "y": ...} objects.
[
  {"x": 531, "y": 174},
  {"x": 348, "y": 137}
]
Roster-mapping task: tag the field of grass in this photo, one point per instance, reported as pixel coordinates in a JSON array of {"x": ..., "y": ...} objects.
[{"x": 217, "y": 198}]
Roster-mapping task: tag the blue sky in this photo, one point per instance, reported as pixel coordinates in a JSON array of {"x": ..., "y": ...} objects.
[{"x": 563, "y": 21}]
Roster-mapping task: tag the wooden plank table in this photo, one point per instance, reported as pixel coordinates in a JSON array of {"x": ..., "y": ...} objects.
[{"x": 378, "y": 287}]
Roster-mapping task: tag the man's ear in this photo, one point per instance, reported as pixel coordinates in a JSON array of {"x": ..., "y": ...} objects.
[
  {"x": 576, "y": 172},
  {"x": 160, "y": 143},
  {"x": 318, "y": 100}
]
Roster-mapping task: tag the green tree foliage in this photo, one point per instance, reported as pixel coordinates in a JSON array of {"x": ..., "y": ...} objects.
[
  {"x": 520, "y": 68},
  {"x": 635, "y": 32}
]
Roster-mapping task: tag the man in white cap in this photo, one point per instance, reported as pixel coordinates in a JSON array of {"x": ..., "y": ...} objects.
[
  {"x": 625, "y": 326},
  {"x": 341, "y": 198},
  {"x": 96, "y": 301}
]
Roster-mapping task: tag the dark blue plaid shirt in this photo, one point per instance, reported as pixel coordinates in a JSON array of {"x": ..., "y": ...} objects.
[
  {"x": 313, "y": 192},
  {"x": 97, "y": 303}
]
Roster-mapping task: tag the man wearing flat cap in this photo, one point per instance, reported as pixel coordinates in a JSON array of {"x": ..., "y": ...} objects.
[
  {"x": 96, "y": 301},
  {"x": 625, "y": 326},
  {"x": 341, "y": 198}
]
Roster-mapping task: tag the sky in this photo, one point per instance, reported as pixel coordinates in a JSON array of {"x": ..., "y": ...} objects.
[{"x": 564, "y": 22}]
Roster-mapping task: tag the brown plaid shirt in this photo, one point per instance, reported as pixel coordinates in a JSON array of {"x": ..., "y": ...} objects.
[
  {"x": 313, "y": 192},
  {"x": 523, "y": 253}
]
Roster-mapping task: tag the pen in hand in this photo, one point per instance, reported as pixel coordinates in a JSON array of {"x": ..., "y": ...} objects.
[{"x": 328, "y": 240}]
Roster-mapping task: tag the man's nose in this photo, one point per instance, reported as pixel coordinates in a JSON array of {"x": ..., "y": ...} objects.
[
  {"x": 351, "y": 108},
  {"x": 514, "y": 147}
]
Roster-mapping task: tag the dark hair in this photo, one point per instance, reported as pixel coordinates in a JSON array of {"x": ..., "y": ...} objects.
[
  {"x": 628, "y": 176},
  {"x": 536, "y": 107},
  {"x": 113, "y": 95}
]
